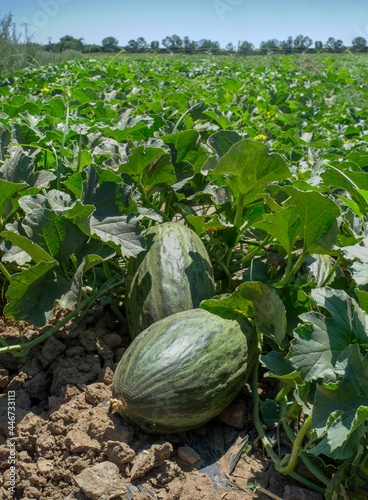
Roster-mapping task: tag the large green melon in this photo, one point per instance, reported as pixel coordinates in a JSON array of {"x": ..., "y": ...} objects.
[
  {"x": 183, "y": 371},
  {"x": 173, "y": 275}
]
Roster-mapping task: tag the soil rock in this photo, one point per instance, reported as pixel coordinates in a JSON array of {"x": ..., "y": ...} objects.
[
  {"x": 188, "y": 455},
  {"x": 51, "y": 350},
  {"x": 166, "y": 473},
  {"x": 297, "y": 493},
  {"x": 101, "y": 482},
  {"x": 4, "y": 378},
  {"x": 149, "y": 459},
  {"x": 118, "y": 452},
  {"x": 97, "y": 393},
  {"x": 80, "y": 442},
  {"x": 235, "y": 415},
  {"x": 104, "y": 427}
]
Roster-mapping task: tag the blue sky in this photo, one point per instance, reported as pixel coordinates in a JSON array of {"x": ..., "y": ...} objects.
[{"x": 222, "y": 20}]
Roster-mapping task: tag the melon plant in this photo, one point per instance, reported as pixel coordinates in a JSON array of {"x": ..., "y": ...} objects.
[
  {"x": 183, "y": 370},
  {"x": 173, "y": 275}
]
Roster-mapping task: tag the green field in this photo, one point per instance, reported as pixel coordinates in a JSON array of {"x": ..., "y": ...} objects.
[{"x": 265, "y": 158}]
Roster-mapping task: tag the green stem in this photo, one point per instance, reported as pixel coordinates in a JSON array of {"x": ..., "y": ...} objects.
[
  {"x": 289, "y": 263},
  {"x": 250, "y": 255},
  {"x": 311, "y": 467},
  {"x": 21, "y": 350},
  {"x": 237, "y": 224},
  {"x": 106, "y": 268},
  {"x": 168, "y": 204},
  {"x": 58, "y": 173},
  {"x": 5, "y": 272},
  {"x": 239, "y": 212},
  {"x": 187, "y": 111},
  {"x": 66, "y": 126},
  {"x": 290, "y": 412},
  {"x": 151, "y": 205},
  {"x": 3, "y": 342},
  {"x": 286, "y": 280},
  {"x": 288, "y": 469},
  {"x": 330, "y": 274},
  {"x": 283, "y": 393},
  {"x": 79, "y": 152},
  {"x": 224, "y": 268}
]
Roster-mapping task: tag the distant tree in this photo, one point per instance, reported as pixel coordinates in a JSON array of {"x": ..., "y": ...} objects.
[
  {"x": 173, "y": 43},
  {"x": 246, "y": 48},
  {"x": 329, "y": 45},
  {"x": 359, "y": 44},
  {"x": 132, "y": 46},
  {"x": 110, "y": 44},
  {"x": 318, "y": 45},
  {"x": 155, "y": 45},
  {"x": 69, "y": 42},
  {"x": 187, "y": 44},
  {"x": 91, "y": 48},
  {"x": 333, "y": 45},
  {"x": 302, "y": 43},
  {"x": 7, "y": 30},
  {"x": 287, "y": 45},
  {"x": 269, "y": 46},
  {"x": 142, "y": 45},
  {"x": 177, "y": 42},
  {"x": 339, "y": 46},
  {"x": 209, "y": 46},
  {"x": 230, "y": 48},
  {"x": 167, "y": 42}
]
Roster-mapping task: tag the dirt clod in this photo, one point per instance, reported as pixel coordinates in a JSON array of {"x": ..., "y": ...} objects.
[
  {"x": 188, "y": 455},
  {"x": 101, "y": 482},
  {"x": 149, "y": 459},
  {"x": 296, "y": 493}
]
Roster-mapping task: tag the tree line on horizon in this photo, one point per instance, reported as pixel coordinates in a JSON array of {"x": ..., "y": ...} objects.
[{"x": 175, "y": 44}]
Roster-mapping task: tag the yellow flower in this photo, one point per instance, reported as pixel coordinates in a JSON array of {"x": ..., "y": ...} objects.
[
  {"x": 260, "y": 136},
  {"x": 45, "y": 89},
  {"x": 68, "y": 91}
]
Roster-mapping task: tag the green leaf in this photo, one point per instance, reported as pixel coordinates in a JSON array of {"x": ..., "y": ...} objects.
[
  {"x": 319, "y": 267},
  {"x": 223, "y": 140},
  {"x": 251, "y": 167},
  {"x": 53, "y": 232},
  {"x": 79, "y": 215},
  {"x": 32, "y": 293},
  {"x": 149, "y": 166},
  {"x": 36, "y": 252},
  {"x": 284, "y": 225},
  {"x": 341, "y": 412},
  {"x": 321, "y": 340},
  {"x": 185, "y": 147},
  {"x": 124, "y": 231},
  {"x": 279, "y": 366},
  {"x": 7, "y": 191},
  {"x": 19, "y": 168},
  {"x": 359, "y": 268},
  {"x": 363, "y": 299},
  {"x": 203, "y": 223},
  {"x": 257, "y": 301},
  {"x": 318, "y": 216}
]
